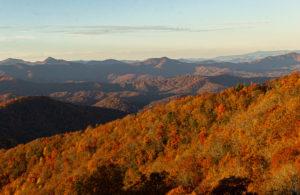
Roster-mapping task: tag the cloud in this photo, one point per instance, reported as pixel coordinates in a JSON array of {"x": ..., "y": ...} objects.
[
  {"x": 10, "y": 38},
  {"x": 100, "y": 30},
  {"x": 107, "y": 29}
]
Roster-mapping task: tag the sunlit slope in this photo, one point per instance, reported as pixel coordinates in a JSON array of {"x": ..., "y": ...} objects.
[{"x": 243, "y": 139}]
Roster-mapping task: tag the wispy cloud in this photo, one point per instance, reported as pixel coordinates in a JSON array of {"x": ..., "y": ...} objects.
[
  {"x": 9, "y": 38},
  {"x": 107, "y": 29},
  {"x": 98, "y": 30}
]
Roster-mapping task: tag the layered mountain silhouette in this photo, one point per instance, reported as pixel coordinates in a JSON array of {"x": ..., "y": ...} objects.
[
  {"x": 269, "y": 66},
  {"x": 129, "y": 93},
  {"x": 25, "y": 119},
  {"x": 53, "y": 70},
  {"x": 249, "y": 57}
]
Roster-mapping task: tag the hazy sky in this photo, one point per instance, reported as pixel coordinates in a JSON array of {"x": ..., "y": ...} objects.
[{"x": 138, "y": 29}]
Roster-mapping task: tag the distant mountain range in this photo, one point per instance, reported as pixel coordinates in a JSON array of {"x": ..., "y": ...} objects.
[
  {"x": 131, "y": 85},
  {"x": 249, "y": 57},
  {"x": 273, "y": 66},
  {"x": 54, "y": 70},
  {"x": 169, "y": 142}
]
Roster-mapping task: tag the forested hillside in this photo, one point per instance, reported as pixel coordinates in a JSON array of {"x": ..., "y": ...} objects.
[
  {"x": 25, "y": 119},
  {"x": 244, "y": 139}
]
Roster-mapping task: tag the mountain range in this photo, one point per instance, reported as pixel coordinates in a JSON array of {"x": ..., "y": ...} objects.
[
  {"x": 53, "y": 70},
  {"x": 150, "y": 127},
  {"x": 249, "y": 57},
  {"x": 129, "y": 86}
]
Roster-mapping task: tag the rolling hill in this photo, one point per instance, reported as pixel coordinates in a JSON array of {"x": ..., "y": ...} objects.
[
  {"x": 202, "y": 144},
  {"x": 25, "y": 119},
  {"x": 129, "y": 92}
]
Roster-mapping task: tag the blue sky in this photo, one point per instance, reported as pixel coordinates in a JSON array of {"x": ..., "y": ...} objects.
[{"x": 139, "y": 29}]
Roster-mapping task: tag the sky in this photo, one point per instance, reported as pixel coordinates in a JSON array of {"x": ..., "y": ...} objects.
[{"x": 140, "y": 29}]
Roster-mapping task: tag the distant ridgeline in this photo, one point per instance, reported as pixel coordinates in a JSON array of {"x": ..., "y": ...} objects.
[
  {"x": 244, "y": 139},
  {"x": 128, "y": 93},
  {"x": 130, "y": 86},
  {"x": 53, "y": 70}
]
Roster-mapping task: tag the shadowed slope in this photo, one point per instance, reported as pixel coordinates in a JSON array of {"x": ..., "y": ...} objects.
[{"x": 25, "y": 119}]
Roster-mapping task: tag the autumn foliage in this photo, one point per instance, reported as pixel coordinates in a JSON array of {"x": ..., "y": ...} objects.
[{"x": 245, "y": 139}]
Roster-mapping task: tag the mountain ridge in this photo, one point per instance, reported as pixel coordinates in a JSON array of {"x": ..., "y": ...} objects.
[
  {"x": 128, "y": 93},
  {"x": 26, "y": 118},
  {"x": 62, "y": 71}
]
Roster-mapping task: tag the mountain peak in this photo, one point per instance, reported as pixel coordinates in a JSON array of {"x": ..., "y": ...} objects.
[
  {"x": 12, "y": 61},
  {"x": 112, "y": 61},
  {"x": 51, "y": 60},
  {"x": 157, "y": 61},
  {"x": 165, "y": 58}
]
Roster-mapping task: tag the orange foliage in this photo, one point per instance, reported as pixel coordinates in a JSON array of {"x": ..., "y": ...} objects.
[
  {"x": 220, "y": 110},
  {"x": 246, "y": 136}
]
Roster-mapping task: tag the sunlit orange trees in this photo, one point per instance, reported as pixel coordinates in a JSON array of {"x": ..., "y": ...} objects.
[{"x": 244, "y": 139}]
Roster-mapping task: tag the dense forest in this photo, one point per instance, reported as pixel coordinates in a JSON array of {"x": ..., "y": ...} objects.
[
  {"x": 244, "y": 139},
  {"x": 27, "y": 118}
]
